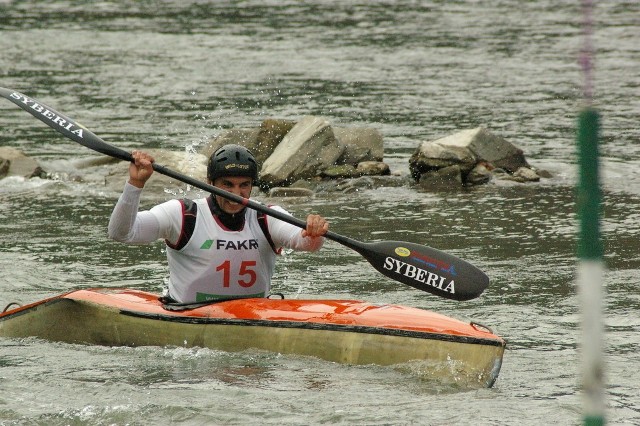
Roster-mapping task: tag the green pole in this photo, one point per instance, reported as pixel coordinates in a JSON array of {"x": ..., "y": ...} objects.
[
  {"x": 589, "y": 195},
  {"x": 590, "y": 268}
]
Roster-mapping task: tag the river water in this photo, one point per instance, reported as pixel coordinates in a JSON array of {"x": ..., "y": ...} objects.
[{"x": 170, "y": 75}]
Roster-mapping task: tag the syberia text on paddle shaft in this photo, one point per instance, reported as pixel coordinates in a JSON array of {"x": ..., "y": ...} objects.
[
  {"x": 45, "y": 112},
  {"x": 419, "y": 274}
]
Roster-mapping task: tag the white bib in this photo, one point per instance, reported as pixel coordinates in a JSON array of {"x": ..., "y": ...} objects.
[{"x": 219, "y": 263}]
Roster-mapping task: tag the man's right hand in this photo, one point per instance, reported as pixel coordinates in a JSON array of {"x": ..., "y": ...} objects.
[{"x": 140, "y": 169}]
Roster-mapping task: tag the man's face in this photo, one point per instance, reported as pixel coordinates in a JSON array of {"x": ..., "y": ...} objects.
[{"x": 238, "y": 185}]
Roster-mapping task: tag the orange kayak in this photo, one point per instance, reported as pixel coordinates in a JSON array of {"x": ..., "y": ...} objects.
[{"x": 345, "y": 331}]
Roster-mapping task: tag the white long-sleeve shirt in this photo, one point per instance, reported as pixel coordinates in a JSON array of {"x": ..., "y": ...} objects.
[{"x": 216, "y": 262}]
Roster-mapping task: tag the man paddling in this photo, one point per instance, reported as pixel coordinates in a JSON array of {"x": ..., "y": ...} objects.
[{"x": 216, "y": 248}]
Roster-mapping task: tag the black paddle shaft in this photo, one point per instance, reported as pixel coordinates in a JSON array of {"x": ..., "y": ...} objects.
[{"x": 418, "y": 266}]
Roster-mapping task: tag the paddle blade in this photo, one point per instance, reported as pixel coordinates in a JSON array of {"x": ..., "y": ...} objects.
[
  {"x": 426, "y": 269},
  {"x": 63, "y": 124}
]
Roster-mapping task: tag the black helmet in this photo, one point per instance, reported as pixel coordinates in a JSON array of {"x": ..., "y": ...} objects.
[{"x": 232, "y": 160}]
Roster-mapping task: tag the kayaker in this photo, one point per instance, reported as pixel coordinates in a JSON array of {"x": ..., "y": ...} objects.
[{"x": 216, "y": 248}]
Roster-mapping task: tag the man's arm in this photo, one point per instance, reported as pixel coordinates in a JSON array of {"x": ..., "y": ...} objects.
[
  {"x": 290, "y": 236},
  {"x": 127, "y": 225},
  {"x": 130, "y": 226}
]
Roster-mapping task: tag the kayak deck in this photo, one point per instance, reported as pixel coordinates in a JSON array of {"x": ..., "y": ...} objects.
[{"x": 346, "y": 331}]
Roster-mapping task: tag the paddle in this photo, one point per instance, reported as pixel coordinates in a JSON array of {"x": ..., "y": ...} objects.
[{"x": 412, "y": 264}]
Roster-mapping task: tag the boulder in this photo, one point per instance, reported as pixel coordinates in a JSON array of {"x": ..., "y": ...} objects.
[
  {"x": 479, "y": 175},
  {"x": 340, "y": 171},
  {"x": 13, "y": 162},
  {"x": 308, "y": 148},
  {"x": 365, "y": 168},
  {"x": 526, "y": 174},
  {"x": 357, "y": 145},
  {"x": 488, "y": 147},
  {"x": 244, "y": 137},
  {"x": 433, "y": 156},
  {"x": 522, "y": 175},
  {"x": 269, "y": 136},
  {"x": 475, "y": 152},
  {"x": 361, "y": 144},
  {"x": 262, "y": 141},
  {"x": 450, "y": 176},
  {"x": 497, "y": 151},
  {"x": 373, "y": 168}
]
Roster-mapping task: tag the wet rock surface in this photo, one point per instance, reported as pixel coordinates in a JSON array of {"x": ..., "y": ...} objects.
[{"x": 311, "y": 155}]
